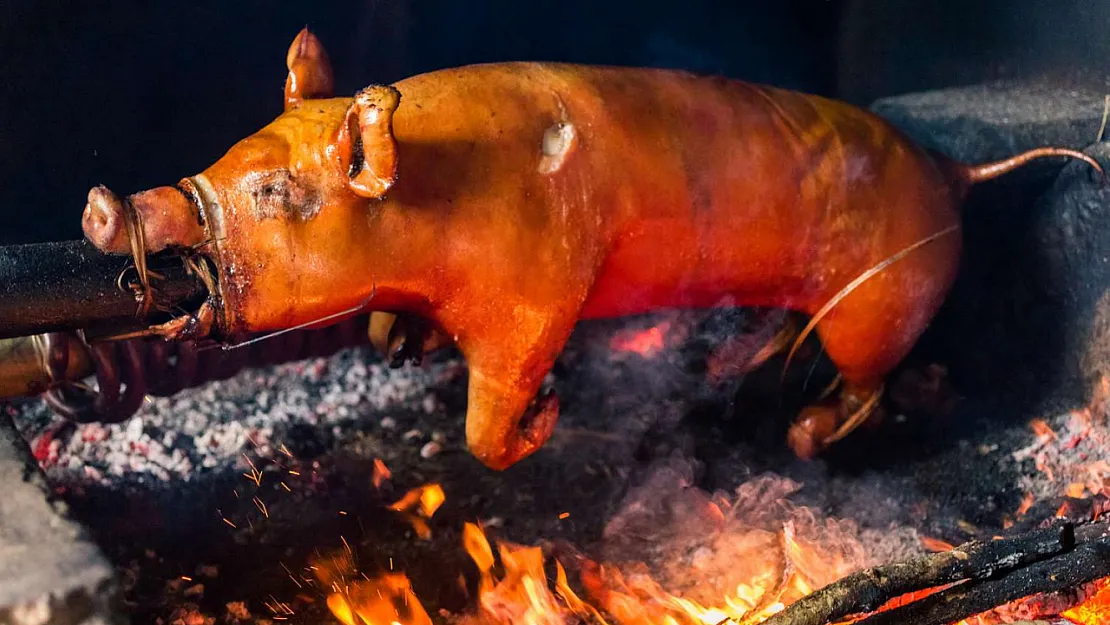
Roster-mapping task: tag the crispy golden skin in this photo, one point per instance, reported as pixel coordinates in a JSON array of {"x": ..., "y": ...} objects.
[{"x": 505, "y": 202}]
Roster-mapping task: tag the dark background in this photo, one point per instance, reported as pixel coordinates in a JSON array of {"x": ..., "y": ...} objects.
[{"x": 138, "y": 94}]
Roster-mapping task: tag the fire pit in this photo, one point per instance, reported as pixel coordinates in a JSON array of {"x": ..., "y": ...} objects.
[{"x": 337, "y": 489}]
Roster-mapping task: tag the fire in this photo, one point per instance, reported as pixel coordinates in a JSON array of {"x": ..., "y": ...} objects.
[
  {"x": 936, "y": 544},
  {"x": 387, "y": 600},
  {"x": 425, "y": 500},
  {"x": 514, "y": 587},
  {"x": 638, "y": 599},
  {"x": 522, "y": 595},
  {"x": 643, "y": 342},
  {"x": 429, "y": 498},
  {"x": 1042, "y": 429},
  {"x": 1095, "y": 610},
  {"x": 518, "y": 592}
]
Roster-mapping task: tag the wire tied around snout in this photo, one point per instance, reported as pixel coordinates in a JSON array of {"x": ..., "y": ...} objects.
[{"x": 143, "y": 291}]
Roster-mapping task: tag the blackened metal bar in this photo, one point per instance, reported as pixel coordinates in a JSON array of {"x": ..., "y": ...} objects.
[{"x": 52, "y": 287}]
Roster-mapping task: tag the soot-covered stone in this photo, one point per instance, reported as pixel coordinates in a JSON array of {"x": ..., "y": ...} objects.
[
  {"x": 996, "y": 120},
  {"x": 49, "y": 570},
  {"x": 1021, "y": 324},
  {"x": 1071, "y": 312}
]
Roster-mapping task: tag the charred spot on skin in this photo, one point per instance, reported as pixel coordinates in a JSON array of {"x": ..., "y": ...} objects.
[
  {"x": 275, "y": 193},
  {"x": 535, "y": 425},
  {"x": 558, "y": 143}
]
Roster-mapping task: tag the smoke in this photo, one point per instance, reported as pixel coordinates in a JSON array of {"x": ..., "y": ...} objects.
[{"x": 704, "y": 546}]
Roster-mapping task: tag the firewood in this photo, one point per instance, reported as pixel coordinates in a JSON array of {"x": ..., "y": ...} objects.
[
  {"x": 867, "y": 590},
  {"x": 1086, "y": 563}
]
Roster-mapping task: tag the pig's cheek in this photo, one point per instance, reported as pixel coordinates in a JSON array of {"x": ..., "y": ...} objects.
[
  {"x": 302, "y": 203},
  {"x": 267, "y": 205}
]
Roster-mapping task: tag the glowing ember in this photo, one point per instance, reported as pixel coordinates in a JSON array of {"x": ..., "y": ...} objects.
[
  {"x": 381, "y": 473},
  {"x": 1042, "y": 429},
  {"x": 643, "y": 342},
  {"x": 935, "y": 544}
]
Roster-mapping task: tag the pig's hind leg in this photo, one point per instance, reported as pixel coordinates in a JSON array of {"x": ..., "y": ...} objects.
[{"x": 866, "y": 335}]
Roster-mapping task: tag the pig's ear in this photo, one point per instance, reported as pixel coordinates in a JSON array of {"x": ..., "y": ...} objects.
[
  {"x": 367, "y": 149},
  {"x": 310, "y": 74}
]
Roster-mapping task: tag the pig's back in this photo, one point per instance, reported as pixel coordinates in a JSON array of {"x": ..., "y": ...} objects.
[{"x": 692, "y": 186}]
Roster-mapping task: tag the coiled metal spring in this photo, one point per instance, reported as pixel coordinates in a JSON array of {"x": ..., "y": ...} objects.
[{"x": 129, "y": 370}]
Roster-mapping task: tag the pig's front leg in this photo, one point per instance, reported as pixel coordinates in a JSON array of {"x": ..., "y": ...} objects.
[{"x": 509, "y": 350}]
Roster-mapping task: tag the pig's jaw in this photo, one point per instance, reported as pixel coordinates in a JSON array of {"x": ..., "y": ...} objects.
[{"x": 212, "y": 214}]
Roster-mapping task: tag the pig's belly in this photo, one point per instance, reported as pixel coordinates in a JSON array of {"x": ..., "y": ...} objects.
[{"x": 673, "y": 264}]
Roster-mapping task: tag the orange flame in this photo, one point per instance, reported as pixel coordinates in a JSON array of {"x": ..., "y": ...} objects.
[
  {"x": 387, "y": 600},
  {"x": 522, "y": 595},
  {"x": 427, "y": 499},
  {"x": 936, "y": 545},
  {"x": 1042, "y": 429},
  {"x": 519, "y": 592},
  {"x": 1095, "y": 610}
]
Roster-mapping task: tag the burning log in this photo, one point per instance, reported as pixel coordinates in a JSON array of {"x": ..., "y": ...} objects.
[
  {"x": 1087, "y": 563},
  {"x": 867, "y": 591}
]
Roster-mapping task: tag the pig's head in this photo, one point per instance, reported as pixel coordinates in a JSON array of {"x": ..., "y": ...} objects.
[
  {"x": 278, "y": 209},
  {"x": 300, "y": 225}
]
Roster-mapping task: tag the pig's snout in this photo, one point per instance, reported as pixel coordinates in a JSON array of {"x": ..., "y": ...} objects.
[
  {"x": 102, "y": 221},
  {"x": 167, "y": 216}
]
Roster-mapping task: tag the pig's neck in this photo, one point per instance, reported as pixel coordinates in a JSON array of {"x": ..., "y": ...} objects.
[{"x": 402, "y": 257}]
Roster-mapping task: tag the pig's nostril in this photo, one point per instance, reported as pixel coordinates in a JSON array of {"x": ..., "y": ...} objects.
[
  {"x": 94, "y": 217},
  {"x": 102, "y": 218}
]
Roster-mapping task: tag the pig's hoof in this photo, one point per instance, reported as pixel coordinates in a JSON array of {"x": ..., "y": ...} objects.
[
  {"x": 538, "y": 422},
  {"x": 532, "y": 431},
  {"x": 190, "y": 327},
  {"x": 406, "y": 343},
  {"x": 808, "y": 432},
  {"x": 821, "y": 425}
]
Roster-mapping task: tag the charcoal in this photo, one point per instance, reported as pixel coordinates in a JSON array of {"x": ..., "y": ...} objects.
[
  {"x": 50, "y": 572},
  {"x": 1035, "y": 253}
]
